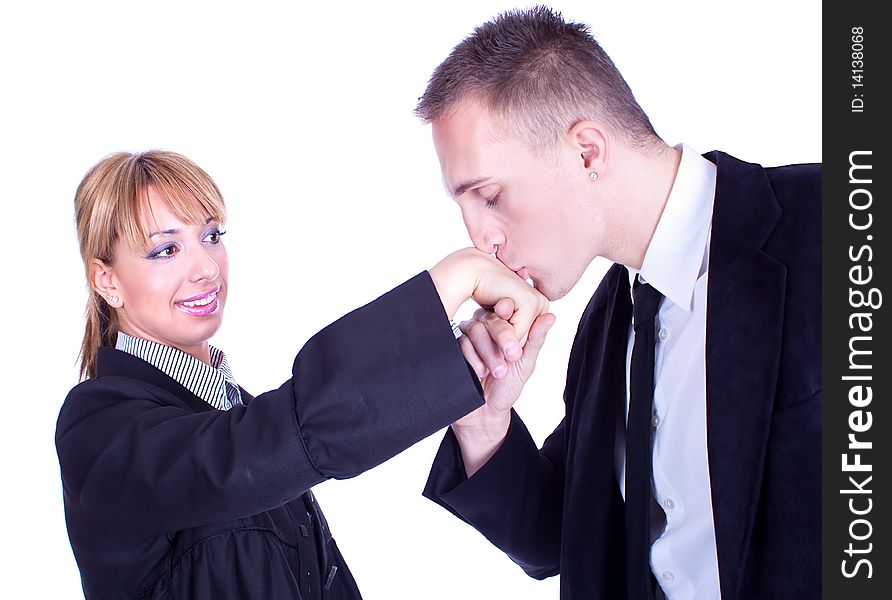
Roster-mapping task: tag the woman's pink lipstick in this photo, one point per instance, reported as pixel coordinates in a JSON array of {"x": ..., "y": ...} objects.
[{"x": 200, "y": 305}]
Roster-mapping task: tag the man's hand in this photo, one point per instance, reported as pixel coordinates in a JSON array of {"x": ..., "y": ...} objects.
[{"x": 503, "y": 366}]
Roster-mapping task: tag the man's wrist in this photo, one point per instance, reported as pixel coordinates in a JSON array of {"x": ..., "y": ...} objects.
[
  {"x": 479, "y": 442},
  {"x": 482, "y": 432}
]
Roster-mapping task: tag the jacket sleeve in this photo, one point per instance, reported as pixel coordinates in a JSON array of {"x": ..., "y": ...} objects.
[
  {"x": 515, "y": 499},
  {"x": 362, "y": 390}
]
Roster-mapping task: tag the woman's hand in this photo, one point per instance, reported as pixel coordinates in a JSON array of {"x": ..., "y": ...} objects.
[{"x": 469, "y": 273}]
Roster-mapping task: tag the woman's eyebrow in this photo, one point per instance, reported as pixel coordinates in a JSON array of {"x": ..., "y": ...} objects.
[
  {"x": 165, "y": 232},
  {"x": 175, "y": 231}
]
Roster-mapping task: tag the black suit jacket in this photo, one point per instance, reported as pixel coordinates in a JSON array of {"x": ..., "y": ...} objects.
[
  {"x": 559, "y": 509},
  {"x": 165, "y": 498}
]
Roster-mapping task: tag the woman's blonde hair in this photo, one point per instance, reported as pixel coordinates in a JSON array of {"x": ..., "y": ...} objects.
[{"x": 112, "y": 205}]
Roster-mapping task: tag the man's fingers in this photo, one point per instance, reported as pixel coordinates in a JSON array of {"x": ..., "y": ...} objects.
[
  {"x": 540, "y": 328},
  {"x": 535, "y": 341},
  {"x": 486, "y": 347},
  {"x": 470, "y": 354},
  {"x": 502, "y": 333},
  {"x": 480, "y": 314},
  {"x": 500, "y": 329}
]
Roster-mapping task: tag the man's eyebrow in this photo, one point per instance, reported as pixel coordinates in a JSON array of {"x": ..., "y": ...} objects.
[
  {"x": 465, "y": 186},
  {"x": 175, "y": 231}
]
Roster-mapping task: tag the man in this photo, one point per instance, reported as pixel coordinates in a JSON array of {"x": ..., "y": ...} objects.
[{"x": 553, "y": 163}]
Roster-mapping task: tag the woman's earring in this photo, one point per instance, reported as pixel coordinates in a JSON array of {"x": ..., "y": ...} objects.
[
  {"x": 593, "y": 175},
  {"x": 113, "y": 299}
]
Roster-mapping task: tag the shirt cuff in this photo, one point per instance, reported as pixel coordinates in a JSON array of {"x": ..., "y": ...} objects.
[{"x": 455, "y": 330}]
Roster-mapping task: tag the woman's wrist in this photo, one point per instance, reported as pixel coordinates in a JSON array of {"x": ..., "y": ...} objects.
[{"x": 454, "y": 282}]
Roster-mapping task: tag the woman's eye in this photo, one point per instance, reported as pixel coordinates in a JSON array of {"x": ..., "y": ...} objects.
[
  {"x": 492, "y": 202},
  {"x": 165, "y": 252},
  {"x": 214, "y": 236}
]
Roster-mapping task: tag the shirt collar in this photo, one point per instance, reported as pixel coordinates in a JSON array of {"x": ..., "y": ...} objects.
[
  {"x": 212, "y": 383},
  {"x": 678, "y": 252}
]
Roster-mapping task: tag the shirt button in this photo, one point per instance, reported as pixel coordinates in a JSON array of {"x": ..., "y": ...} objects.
[
  {"x": 667, "y": 576},
  {"x": 656, "y": 420},
  {"x": 663, "y": 334},
  {"x": 670, "y": 503}
]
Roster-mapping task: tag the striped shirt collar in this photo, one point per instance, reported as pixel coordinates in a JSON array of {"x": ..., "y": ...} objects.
[{"x": 212, "y": 383}]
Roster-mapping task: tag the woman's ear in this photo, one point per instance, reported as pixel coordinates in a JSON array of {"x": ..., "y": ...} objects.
[
  {"x": 589, "y": 141},
  {"x": 103, "y": 282}
]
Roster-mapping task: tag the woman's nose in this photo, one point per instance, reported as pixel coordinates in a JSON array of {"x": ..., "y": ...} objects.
[{"x": 205, "y": 267}]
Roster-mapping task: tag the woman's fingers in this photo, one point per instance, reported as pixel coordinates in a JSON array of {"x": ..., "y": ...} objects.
[{"x": 528, "y": 306}]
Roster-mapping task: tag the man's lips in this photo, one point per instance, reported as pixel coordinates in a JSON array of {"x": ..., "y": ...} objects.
[{"x": 522, "y": 273}]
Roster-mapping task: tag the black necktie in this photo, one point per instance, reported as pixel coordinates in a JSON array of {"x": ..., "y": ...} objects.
[{"x": 639, "y": 453}]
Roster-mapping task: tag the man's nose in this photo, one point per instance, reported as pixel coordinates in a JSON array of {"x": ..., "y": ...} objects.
[{"x": 484, "y": 234}]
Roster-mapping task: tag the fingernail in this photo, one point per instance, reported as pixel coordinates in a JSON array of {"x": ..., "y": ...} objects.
[
  {"x": 500, "y": 371},
  {"x": 512, "y": 350}
]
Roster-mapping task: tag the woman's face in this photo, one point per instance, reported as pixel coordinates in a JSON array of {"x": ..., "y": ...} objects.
[{"x": 174, "y": 292}]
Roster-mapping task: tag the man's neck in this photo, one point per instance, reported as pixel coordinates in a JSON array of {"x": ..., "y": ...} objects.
[{"x": 642, "y": 188}]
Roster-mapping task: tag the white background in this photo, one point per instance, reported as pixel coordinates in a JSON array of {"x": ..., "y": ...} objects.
[{"x": 303, "y": 115}]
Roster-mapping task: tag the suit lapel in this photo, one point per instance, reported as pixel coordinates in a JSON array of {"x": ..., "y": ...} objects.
[
  {"x": 111, "y": 362},
  {"x": 594, "y": 538},
  {"x": 744, "y": 323}
]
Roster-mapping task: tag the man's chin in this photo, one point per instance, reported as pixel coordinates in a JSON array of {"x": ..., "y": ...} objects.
[
  {"x": 552, "y": 296},
  {"x": 550, "y": 292}
]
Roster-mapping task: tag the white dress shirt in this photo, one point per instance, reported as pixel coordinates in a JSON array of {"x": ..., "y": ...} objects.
[{"x": 683, "y": 558}]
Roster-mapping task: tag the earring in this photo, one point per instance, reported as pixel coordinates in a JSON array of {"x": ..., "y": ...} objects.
[
  {"x": 593, "y": 175},
  {"x": 113, "y": 299}
]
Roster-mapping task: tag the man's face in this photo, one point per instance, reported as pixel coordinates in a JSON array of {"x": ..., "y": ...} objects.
[{"x": 527, "y": 205}]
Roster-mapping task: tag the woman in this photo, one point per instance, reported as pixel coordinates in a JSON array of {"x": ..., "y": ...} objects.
[{"x": 179, "y": 484}]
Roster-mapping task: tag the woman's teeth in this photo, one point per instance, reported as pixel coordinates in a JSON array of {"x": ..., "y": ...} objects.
[{"x": 202, "y": 302}]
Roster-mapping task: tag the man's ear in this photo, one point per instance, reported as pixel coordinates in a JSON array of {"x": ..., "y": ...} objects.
[
  {"x": 589, "y": 141},
  {"x": 104, "y": 283}
]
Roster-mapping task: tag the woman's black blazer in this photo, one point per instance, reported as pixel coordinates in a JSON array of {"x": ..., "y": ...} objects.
[{"x": 168, "y": 498}]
